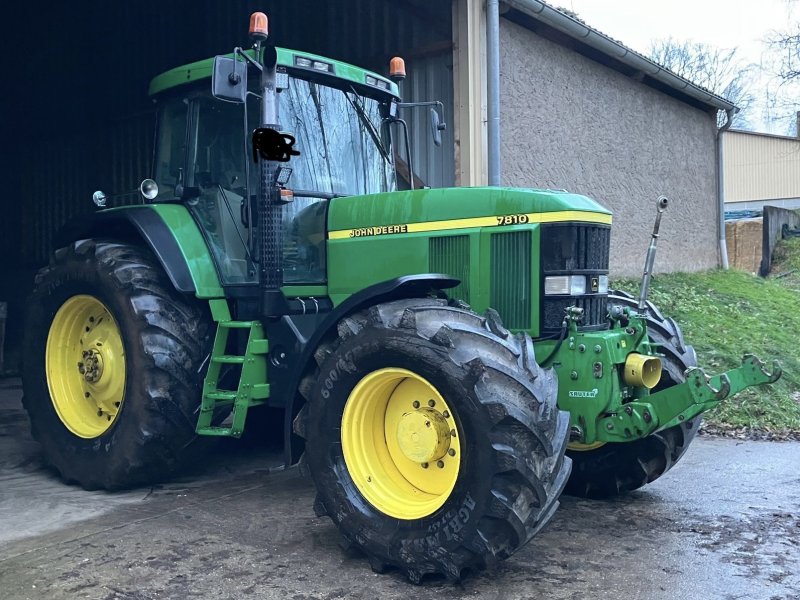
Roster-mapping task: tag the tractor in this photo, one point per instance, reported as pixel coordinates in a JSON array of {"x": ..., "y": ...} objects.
[{"x": 442, "y": 363}]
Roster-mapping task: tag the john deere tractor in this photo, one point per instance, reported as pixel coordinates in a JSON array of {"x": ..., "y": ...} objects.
[{"x": 443, "y": 362}]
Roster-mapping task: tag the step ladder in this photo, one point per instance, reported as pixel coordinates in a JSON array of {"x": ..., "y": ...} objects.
[{"x": 252, "y": 389}]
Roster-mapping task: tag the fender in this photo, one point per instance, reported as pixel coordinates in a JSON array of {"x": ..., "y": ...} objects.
[
  {"x": 409, "y": 286},
  {"x": 168, "y": 230}
]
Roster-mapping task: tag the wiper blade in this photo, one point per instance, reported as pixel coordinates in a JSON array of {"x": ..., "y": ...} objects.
[
  {"x": 316, "y": 194},
  {"x": 368, "y": 124}
]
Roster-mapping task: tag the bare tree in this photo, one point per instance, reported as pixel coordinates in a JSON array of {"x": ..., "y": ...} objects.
[
  {"x": 718, "y": 70},
  {"x": 783, "y": 90}
]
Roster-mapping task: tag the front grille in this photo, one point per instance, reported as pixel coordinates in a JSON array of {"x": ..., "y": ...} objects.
[
  {"x": 574, "y": 249},
  {"x": 570, "y": 248}
]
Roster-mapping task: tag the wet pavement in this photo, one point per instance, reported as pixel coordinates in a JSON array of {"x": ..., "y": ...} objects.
[{"x": 723, "y": 524}]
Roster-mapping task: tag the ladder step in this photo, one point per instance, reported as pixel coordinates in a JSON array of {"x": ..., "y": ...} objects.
[
  {"x": 228, "y": 359},
  {"x": 221, "y": 395},
  {"x": 236, "y": 324}
]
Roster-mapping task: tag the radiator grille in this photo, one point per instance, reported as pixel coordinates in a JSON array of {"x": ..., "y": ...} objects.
[
  {"x": 575, "y": 249},
  {"x": 511, "y": 278},
  {"x": 450, "y": 255}
]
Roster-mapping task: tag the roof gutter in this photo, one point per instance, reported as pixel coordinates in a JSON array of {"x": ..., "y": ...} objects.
[{"x": 601, "y": 42}]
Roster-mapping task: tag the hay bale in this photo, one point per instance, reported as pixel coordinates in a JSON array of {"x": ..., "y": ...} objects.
[{"x": 744, "y": 240}]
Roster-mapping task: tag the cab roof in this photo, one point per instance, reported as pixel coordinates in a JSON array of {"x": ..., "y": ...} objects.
[{"x": 293, "y": 60}]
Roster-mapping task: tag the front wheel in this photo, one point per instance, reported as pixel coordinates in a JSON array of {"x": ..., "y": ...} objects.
[
  {"x": 617, "y": 468},
  {"x": 112, "y": 366},
  {"x": 433, "y": 437}
]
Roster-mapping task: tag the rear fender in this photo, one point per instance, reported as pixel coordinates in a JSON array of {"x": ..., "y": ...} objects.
[{"x": 168, "y": 230}]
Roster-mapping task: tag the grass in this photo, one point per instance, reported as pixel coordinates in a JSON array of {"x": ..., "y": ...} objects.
[{"x": 725, "y": 314}]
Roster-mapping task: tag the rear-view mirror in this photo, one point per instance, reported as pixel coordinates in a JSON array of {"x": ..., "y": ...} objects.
[
  {"x": 229, "y": 79},
  {"x": 437, "y": 127}
]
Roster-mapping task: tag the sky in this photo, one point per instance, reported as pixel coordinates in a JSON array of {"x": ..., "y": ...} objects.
[{"x": 721, "y": 23}]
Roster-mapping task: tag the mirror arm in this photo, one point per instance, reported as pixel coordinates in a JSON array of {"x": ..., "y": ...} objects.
[
  {"x": 416, "y": 104},
  {"x": 239, "y": 52}
]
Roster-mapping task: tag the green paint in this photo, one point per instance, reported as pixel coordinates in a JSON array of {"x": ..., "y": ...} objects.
[
  {"x": 305, "y": 291},
  {"x": 202, "y": 69},
  {"x": 603, "y": 408},
  {"x": 193, "y": 247},
  {"x": 252, "y": 389},
  {"x": 440, "y": 204}
]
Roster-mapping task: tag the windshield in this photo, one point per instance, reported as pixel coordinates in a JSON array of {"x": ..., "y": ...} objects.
[
  {"x": 338, "y": 150},
  {"x": 203, "y": 146}
]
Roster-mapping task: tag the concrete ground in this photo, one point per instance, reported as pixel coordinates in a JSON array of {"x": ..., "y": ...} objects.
[{"x": 725, "y": 523}]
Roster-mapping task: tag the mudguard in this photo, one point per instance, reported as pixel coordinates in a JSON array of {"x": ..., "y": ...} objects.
[{"x": 168, "y": 230}]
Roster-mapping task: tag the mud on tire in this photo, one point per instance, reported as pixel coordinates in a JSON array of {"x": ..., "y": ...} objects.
[
  {"x": 618, "y": 468},
  {"x": 513, "y": 445},
  {"x": 166, "y": 338}
]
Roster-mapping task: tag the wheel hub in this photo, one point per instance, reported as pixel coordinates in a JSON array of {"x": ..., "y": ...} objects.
[
  {"x": 92, "y": 365},
  {"x": 423, "y": 436}
]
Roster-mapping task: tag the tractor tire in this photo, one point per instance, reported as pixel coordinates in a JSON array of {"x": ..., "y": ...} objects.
[
  {"x": 126, "y": 416},
  {"x": 617, "y": 468},
  {"x": 399, "y": 368}
]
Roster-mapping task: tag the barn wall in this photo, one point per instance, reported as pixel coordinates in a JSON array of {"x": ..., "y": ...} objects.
[
  {"x": 98, "y": 132},
  {"x": 569, "y": 122}
]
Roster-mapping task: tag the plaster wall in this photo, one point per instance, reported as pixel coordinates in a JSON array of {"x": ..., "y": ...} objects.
[{"x": 568, "y": 122}]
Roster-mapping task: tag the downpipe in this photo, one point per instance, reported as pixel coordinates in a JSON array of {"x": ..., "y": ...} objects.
[
  {"x": 493, "y": 90},
  {"x": 723, "y": 243}
]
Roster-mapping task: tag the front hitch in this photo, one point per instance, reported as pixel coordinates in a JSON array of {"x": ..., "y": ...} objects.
[{"x": 683, "y": 402}]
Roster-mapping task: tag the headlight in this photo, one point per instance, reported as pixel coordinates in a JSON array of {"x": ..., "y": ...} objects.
[
  {"x": 602, "y": 287},
  {"x": 566, "y": 285}
]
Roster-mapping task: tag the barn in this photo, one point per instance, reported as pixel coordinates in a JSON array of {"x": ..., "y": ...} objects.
[{"x": 551, "y": 101}]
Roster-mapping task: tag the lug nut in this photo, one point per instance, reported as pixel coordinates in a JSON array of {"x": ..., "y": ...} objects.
[
  {"x": 424, "y": 465},
  {"x": 431, "y": 403},
  {"x": 440, "y": 464},
  {"x": 452, "y": 433},
  {"x": 416, "y": 404},
  {"x": 446, "y": 415},
  {"x": 452, "y": 452}
]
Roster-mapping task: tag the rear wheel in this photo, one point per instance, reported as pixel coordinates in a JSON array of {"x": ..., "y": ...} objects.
[
  {"x": 433, "y": 437},
  {"x": 112, "y": 365},
  {"x": 611, "y": 469}
]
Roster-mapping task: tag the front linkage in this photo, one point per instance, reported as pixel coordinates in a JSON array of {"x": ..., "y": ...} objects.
[{"x": 608, "y": 382}]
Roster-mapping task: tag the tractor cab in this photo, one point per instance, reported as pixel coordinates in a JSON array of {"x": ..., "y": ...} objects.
[{"x": 203, "y": 157}]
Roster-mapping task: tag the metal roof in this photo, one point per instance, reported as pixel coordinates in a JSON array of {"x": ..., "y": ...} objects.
[{"x": 636, "y": 64}]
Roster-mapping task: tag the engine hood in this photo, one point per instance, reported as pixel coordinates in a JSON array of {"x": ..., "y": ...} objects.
[{"x": 456, "y": 208}]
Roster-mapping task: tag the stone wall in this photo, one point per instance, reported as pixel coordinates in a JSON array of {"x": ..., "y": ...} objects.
[{"x": 569, "y": 122}]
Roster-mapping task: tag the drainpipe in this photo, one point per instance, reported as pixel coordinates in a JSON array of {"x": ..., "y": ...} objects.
[
  {"x": 493, "y": 89},
  {"x": 723, "y": 244}
]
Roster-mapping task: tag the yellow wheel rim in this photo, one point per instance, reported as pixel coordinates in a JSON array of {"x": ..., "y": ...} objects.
[
  {"x": 400, "y": 443},
  {"x": 578, "y": 447},
  {"x": 85, "y": 365}
]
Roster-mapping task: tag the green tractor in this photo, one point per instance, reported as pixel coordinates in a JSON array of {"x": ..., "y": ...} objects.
[{"x": 442, "y": 362}]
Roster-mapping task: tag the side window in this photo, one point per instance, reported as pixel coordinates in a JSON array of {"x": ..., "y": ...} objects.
[{"x": 170, "y": 148}]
